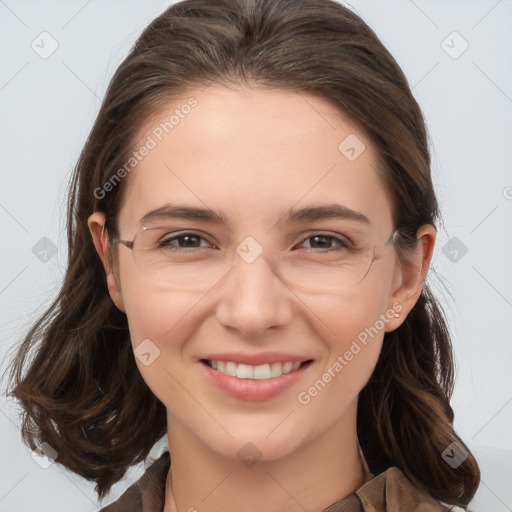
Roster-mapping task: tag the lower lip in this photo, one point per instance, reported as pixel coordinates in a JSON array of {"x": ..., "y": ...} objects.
[{"x": 253, "y": 390}]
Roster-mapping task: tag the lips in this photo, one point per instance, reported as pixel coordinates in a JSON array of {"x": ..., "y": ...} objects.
[{"x": 254, "y": 382}]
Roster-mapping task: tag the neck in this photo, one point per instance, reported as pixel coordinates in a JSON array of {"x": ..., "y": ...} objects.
[{"x": 313, "y": 477}]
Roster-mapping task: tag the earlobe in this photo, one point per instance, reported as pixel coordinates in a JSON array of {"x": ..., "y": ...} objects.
[
  {"x": 412, "y": 276},
  {"x": 96, "y": 224}
]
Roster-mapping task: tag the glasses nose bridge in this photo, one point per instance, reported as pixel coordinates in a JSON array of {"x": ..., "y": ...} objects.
[
  {"x": 252, "y": 254},
  {"x": 252, "y": 262}
]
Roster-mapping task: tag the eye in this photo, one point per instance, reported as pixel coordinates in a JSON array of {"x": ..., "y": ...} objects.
[
  {"x": 191, "y": 241},
  {"x": 324, "y": 241},
  {"x": 184, "y": 241}
]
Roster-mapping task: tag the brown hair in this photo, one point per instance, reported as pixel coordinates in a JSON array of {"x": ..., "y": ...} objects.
[{"x": 82, "y": 392}]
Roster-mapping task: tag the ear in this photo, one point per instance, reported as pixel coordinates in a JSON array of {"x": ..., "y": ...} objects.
[
  {"x": 408, "y": 281},
  {"x": 96, "y": 224}
]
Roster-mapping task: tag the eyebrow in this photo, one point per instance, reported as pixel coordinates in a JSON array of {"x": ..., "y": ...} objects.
[
  {"x": 170, "y": 211},
  {"x": 324, "y": 211},
  {"x": 306, "y": 214}
]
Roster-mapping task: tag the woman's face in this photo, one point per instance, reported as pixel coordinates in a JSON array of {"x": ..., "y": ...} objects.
[{"x": 251, "y": 289}]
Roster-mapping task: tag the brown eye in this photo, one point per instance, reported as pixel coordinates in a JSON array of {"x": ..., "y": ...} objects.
[
  {"x": 182, "y": 241},
  {"x": 323, "y": 241}
]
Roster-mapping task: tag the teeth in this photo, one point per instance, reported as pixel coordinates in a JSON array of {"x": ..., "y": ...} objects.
[
  {"x": 262, "y": 372},
  {"x": 230, "y": 369},
  {"x": 247, "y": 371},
  {"x": 276, "y": 370}
]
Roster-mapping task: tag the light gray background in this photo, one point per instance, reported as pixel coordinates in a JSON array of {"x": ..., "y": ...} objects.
[{"x": 47, "y": 107}]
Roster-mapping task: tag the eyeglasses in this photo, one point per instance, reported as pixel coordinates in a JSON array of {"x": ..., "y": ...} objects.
[{"x": 178, "y": 260}]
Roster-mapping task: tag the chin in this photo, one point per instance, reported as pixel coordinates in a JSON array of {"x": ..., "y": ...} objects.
[{"x": 255, "y": 444}]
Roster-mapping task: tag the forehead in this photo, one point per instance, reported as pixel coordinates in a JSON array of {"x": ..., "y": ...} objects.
[{"x": 253, "y": 154}]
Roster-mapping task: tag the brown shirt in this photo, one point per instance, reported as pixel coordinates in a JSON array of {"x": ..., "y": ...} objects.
[{"x": 389, "y": 491}]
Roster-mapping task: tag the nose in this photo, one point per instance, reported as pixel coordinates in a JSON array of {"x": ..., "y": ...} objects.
[{"x": 252, "y": 298}]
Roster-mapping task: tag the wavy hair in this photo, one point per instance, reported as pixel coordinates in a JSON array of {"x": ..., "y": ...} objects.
[{"x": 74, "y": 373}]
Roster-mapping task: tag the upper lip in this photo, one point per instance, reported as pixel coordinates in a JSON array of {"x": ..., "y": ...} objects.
[{"x": 256, "y": 359}]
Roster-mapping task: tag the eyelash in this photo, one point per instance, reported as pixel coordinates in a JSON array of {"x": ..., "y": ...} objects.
[{"x": 344, "y": 245}]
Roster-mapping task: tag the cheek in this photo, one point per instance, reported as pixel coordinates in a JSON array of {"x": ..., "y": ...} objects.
[
  {"x": 159, "y": 324},
  {"x": 353, "y": 354},
  {"x": 154, "y": 311},
  {"x": 353, "y": 324},
  {"x": 354, "y": 314}
]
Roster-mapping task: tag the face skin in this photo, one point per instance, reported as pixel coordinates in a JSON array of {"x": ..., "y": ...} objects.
[{"x": 254, "y": 154}]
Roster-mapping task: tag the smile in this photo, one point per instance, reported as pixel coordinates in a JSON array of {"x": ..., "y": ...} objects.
[
  {"x": 247, "y": 371},
  {"x": 254, "y": 383}
]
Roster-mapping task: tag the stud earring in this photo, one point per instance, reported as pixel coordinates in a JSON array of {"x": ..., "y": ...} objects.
[{"x": 397, "y": 315}]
